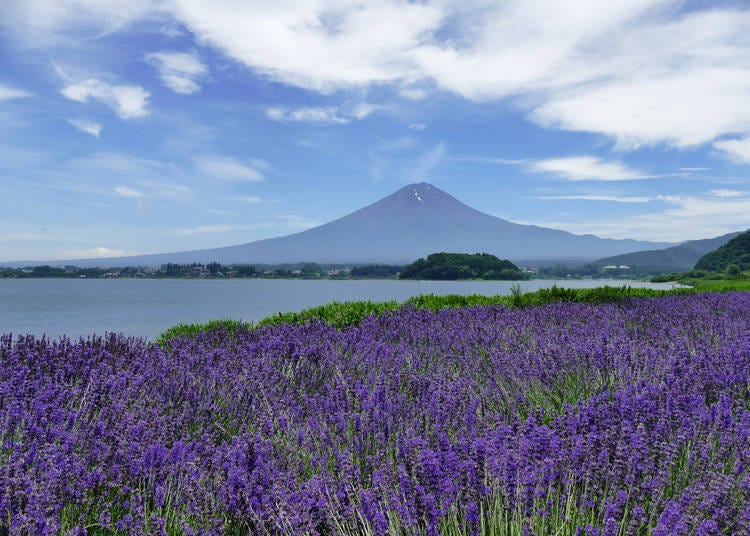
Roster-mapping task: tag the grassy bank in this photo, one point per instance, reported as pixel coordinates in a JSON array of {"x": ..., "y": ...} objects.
[
  {"x": 346, "y": 314},
  {"x": 719, "y": 285}
]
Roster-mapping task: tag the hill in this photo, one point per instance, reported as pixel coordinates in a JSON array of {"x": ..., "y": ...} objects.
[
  {"x": 736, "y": 251},
  {"x": 672, "y": 259},
  {"x": 451, "y": 266},
  {"x": 413, "y": 222}
]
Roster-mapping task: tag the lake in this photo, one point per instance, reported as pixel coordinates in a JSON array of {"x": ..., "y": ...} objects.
[{"x": 146, "y": 307}]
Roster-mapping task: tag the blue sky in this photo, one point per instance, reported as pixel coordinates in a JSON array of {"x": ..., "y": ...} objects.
[{"x": 146, "y": 126}]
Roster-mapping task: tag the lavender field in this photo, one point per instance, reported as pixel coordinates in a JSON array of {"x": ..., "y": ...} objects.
[{"x": 565, "y": 419}]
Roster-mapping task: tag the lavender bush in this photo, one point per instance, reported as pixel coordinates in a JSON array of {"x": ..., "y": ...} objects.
[{"x": 567, "y": 419}]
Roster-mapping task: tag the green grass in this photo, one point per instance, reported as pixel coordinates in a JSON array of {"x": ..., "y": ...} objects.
[
  {"x": 344, "y": 314},
  {"x": 227, "y": 325},
  {"x": 720, "y": 285},
  {"x": 340, "y": 314}
]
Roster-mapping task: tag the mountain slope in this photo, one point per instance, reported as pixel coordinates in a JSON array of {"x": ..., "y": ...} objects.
[
  {"x": 672, "y": 259},
  {"x": 413, "y": 222},
  {"x": 736, "y": 251}
]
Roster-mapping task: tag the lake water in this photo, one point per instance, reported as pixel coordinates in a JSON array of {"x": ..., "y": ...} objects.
[{"x": 146, "y": 307}]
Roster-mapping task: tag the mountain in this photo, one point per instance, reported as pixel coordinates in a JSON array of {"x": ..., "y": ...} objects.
[
  {"x": 672, "y": 259},
  {"x": 413, "y": 222},
  {"x": 736, "y": 251}
]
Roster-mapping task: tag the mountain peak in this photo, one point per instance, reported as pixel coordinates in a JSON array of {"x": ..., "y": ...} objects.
[
  {"x": 412, "y": 222},
  {"x": 421, "y": 193}
]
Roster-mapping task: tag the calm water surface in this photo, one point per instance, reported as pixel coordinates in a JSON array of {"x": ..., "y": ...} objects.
[{"x": 146, "y": 307}]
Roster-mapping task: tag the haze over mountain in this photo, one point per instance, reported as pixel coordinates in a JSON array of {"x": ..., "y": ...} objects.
[
  {"x": 413, "y": 222},
  {"x": 672, "y": 259}
]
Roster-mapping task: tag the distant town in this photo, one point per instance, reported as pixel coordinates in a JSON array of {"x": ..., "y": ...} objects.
[
  {"x": 197, "y": 270},
  {"x": 306, "y": 270}
]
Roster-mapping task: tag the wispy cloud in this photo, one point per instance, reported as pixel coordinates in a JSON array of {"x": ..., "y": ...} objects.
[
  {"x": 682, "y": 217},
  {"x": 414, "y": 94},
  {"x": 585, "y": 197},
  {"x": 99, "y": 252},
  {"x": 726, "y": 193},
  {"x": 179, "y": 71},
  {"x": 738, "y": 149},
  {"x": 228, "y": 169},
  {"x": 220, "y": 228},
  {"x": 125, "y": 191},
  {"x": 321, "y": 115},
  {"x": 427, "y": 162},
  {"x": 297, "y": 221},
  {"x": 85, "y": 125},
  {"x": 122, "y": 164},
  {"x": 581, "y": 168},
  {"x": 491, "y": 160},
  {"x": 280, "y": 223},
  {"x": 166, "y": 190},
  {"x": 8, "y": 93},
  {"x": 155, "y": 190},
  {"x": 127, "y": 101},
  {"x": 253, "y": 199}
]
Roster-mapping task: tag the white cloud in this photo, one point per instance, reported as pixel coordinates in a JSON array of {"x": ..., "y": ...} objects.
[
  {"x": 362, "y": 109},
  {"x": 8, "y": 93},
  {"x": 402, "y": 143},
  {"x": 297, "y": 222},
  {"x": 632, "y": 70},
  {"x": 38, "y": 23},
  {"x": 683, "y": 218},
  {"x": 681, "y": 109},
  {"x": 122, "y": 164},
  {"x": 89, "y": 127},
  {"x": 414, "y": 94},
  {"x": 308, "y": 114},
  {"x": 427, "y": 162},
  {"x": 172, "y": 31},
  {"x": 579, "y": 168},
  {"x": 220, "y": 228},
  {"x": 282, "y": 222},
  {"x": 318, "y": 44},
  {"x": 726, "y": 193},
  {"x": 124, "y": 191},
  {"x": 585, "y": 197},
  {"x": 642, "y": 72},
  {"x": 228, "y": 169},
  {"x": 127, "y": 101},
  {"x": 254, "y": 199},
  {"x": 322, "y": 115},
  {"x": 155, "y": 190},
  {"x": 94, "y": 253},
  {"x": 492, "y": 160},
  {"x": 165, "y": 190},
  {"x": 179, "y": 71},
  {"x": 738, "y": 150}
]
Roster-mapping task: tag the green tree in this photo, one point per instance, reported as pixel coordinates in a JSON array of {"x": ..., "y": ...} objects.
[{"x": 452, "y": 266}]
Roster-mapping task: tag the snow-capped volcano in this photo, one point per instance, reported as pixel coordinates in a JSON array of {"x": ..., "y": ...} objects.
[{"x": 413, "y": 222}]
